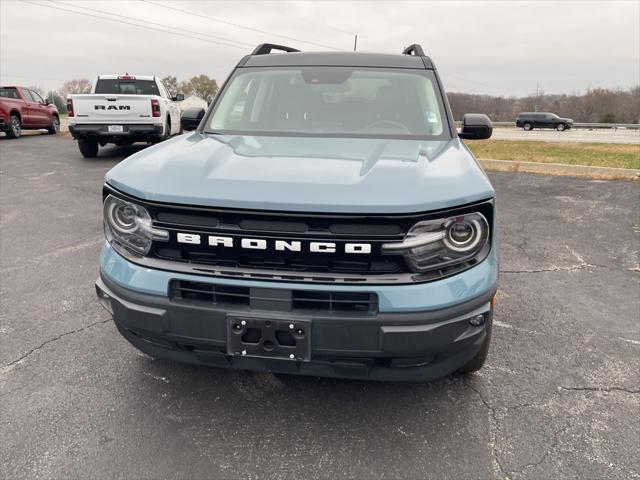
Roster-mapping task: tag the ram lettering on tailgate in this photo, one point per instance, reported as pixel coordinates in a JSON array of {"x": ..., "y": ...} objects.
[{"x": 112, "y": 107}]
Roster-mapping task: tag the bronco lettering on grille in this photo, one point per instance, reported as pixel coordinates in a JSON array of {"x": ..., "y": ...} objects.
[{"x": 278, "y": 245}]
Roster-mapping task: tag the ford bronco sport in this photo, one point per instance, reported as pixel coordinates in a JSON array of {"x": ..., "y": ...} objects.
[{"x": 323, "y": 217}]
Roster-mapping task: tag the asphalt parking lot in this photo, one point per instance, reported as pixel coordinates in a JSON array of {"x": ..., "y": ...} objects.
[{"x": 559, "y": 398}]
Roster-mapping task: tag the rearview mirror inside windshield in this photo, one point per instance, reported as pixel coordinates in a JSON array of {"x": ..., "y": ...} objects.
[{"x": 326, "y": 75}]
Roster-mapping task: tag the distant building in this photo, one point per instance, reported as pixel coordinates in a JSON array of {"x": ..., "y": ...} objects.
[{"x": 192, "y": 101}]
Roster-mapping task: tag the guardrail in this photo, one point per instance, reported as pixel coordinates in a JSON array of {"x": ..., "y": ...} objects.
[{"x": 628, "y": 126}]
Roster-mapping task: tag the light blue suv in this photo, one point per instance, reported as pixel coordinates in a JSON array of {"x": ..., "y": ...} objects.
[{"x": 323, "y": 217}]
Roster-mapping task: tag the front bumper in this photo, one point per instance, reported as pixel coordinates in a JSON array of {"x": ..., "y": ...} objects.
[
  {"x": 398, "y": 346},
  {"x": 102, "y": 130}
]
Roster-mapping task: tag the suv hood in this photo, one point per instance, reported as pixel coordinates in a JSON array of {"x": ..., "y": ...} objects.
[{"x": 347, "y": 175}]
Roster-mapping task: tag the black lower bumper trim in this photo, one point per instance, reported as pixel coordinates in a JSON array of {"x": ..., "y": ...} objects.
[
  {"x": 385, "y": 346},
  {"x": 128, "y": 130}
]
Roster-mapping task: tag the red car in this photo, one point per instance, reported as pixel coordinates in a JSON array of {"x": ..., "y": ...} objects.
[{"x": 24, "y": 109}]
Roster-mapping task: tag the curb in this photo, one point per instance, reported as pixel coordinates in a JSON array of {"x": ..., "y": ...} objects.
[{"x": 560, "y": 169}]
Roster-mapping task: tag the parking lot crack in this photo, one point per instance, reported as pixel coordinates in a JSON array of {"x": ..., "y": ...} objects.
[
  {"x": 7, "y": 367},
  {"x": 581, "y": 265},
  {"x": 493, "y": 434},
  {"x": 545, "y": 455},
  {"x": 600, "y": 389},
  {"x": 526, "y": 405}
]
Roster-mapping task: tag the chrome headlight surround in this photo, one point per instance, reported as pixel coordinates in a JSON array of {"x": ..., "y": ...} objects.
[
  {"x": 443, "y": 243},
  {"x": 129, "y": 226}
]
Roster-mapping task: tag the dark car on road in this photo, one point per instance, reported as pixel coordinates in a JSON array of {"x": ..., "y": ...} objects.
[
  {"x": 531, "y": 120},
  {"x": 24, "y": 109}
]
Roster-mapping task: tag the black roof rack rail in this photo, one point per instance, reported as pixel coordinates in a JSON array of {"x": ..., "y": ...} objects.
[
  {"x": 415, "y": 49},
  {"x": 265, "y": 49}
]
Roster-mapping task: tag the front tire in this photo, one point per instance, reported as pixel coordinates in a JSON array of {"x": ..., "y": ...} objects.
[
  {"x": 88, "y": 147},
  {"x": 54, "y": 128},
  {"x": 15, "y": 127},
  {"x": 477, "y": 362},
  {"x": 527, "y": 126},
  {"x": 561, "y": 127}
]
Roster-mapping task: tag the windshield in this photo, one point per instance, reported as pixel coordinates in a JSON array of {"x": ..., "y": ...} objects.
[
  {"x": 330, "y": 101},
  {"x": 127, "y": 87}
]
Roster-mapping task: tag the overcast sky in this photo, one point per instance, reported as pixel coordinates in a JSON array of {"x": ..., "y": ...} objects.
[{"x": 502, "y": 48}]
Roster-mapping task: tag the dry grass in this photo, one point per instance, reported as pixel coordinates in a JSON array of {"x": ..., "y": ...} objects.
[{"x": 594, "y": 154}]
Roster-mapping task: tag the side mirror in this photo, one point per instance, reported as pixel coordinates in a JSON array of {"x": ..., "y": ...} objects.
[
  {"x": 191, "y": 118},
  {"x": 178, "y": 98},
  {"x": 476, "y": 126}
]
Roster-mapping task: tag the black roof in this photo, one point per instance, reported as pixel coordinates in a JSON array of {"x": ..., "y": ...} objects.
[{"x": 337, "y": 59}]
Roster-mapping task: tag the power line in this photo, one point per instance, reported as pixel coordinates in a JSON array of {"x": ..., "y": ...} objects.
[
  {"x": 200, "y": 15},
  {"x": 154, "y": 23},
  {"x": 134, "y": 24}
]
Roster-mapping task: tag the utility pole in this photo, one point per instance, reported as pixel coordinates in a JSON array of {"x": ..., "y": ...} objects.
[
  {"x": 355, "y": 43},
  {"x": 536, "y": 106}
]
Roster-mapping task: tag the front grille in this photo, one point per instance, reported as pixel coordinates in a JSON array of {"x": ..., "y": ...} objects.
[
  {"x": 236, "y": 297},
  {"x": 281, "y": 262},
  {"x": 303, "y": 265},
  {"x": 271, "y": 227}
]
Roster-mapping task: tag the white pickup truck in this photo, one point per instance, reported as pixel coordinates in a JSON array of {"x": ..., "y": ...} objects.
[{"x": 123, "y": 109}]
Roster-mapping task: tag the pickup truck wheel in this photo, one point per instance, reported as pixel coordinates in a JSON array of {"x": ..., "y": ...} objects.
[
  {"x": 561, "y": 127},
  {"x": 164, "y": 136},
  {"x": 54, "y": 128},
  {"x": 527, "y": 126},
  {"x": 88, "y": 147},
  {"x": 477, "y": 362},
  {"x": 15, "y": 127}
]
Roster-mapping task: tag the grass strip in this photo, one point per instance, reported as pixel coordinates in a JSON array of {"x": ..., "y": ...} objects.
[{"x": 570, "y": 153}]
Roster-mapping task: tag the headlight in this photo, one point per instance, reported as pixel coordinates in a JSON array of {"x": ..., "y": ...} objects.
[
  {"x": 441, "y": 243},
  {"x": 129, "y": 226}
]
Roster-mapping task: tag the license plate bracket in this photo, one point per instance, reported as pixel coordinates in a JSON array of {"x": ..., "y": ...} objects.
[
  {"x": 116, "y": 129},
  {"x": 269, "y": 338}
]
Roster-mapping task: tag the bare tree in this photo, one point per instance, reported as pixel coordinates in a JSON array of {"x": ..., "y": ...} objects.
[
  {"x": 37, "y": 89},
  {"x": 171, "y": 82},
  {"x": 77, "y": 85},
  {"x": 595, "y": 105},
  {"x": 202, "y": 86}
]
